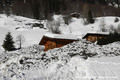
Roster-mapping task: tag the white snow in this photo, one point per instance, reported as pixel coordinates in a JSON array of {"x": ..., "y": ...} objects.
[
  {"x": 80, "y": 60},
  {"x": 77, "y": 26},
  {"x": 105, "y": 33},
  {"x": 9, "y": 24},
  {"x": 61, "y": 36},
  {"x": 65, "y": 63},
  {"x": 21, "y": 25},
  {"x": 106, "y": 68}
]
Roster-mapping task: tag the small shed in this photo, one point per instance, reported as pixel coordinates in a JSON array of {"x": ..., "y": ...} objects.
[
  {"x": 51, "y": 41},
  {"x": 94, "y": 36},
  {"x": 75, "y": 14}
]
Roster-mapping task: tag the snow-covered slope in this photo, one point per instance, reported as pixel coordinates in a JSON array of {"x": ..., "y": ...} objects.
[
  {"x": 21, "y": 25},
  {"x": 77, "y": 26},
  {"x": 18, "y": 25},
  {"x": 80, "y": 60}
]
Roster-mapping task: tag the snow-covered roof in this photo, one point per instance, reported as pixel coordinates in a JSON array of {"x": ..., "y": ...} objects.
[
  {"x": 74, "y": 13},
  {"x": 61, "y": 36},
  {"x": 104, "y": 33},
  {"x": 96, "y": 33}
]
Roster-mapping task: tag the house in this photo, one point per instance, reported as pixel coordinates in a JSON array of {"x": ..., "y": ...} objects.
[
  {"x": 75, "y": 14},
  {"x": 51, "y": 41},
  {"x": 94, "y": 36}
]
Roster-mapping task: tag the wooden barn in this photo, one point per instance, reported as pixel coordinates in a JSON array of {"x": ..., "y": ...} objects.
[
  {"x": 75, "y": 14},
  {"x": 56, "y": 40},
  {"x": 94, "y": 36}
]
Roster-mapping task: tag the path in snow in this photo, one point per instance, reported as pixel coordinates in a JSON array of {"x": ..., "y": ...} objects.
[{"x": 100, "y": 70}]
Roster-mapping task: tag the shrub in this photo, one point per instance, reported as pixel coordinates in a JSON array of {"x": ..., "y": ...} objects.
[
  {"x": 102, "y": 25},
  {"x": 54, "y": 27},
  {"x": 116, "y": 20},
  {"x": 111, "y": 29}
]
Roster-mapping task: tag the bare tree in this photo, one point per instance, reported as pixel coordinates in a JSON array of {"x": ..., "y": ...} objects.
[
  {"x": 111, "y": 29},
  {"x": 85, "y": 13},
  {"x": 53, "y": 27},
  {"x": 56, "y": 27},
  {"x": 49, "y": 25},
  {"x": 118, "y": 28},
  {"x": 102, "y": 25},
  {"x": 20, "y": 39}
]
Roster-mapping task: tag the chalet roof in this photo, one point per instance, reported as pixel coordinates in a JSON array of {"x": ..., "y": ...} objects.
[
  {"x": 96, "y": 33},
  {"x": 61, "y": 36},
  {"x": 58, "y": 38},
  {"x": 104, "y": 33},
  {"x": 75, "y": 13}
]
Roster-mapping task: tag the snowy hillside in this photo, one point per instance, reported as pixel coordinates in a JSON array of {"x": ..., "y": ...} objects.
[
  {"x": 20, "y": 25},
  {"x": 80, "y": 60},
  {"x": 77, "y": 26}
]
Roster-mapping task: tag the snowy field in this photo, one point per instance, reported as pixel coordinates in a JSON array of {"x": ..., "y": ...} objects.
[
  {"x": 20, "y": 25},
  {"x": 66, "y": 63},
  {"x": 106, "y": 68},
  {"x": 11, "y": 23}
]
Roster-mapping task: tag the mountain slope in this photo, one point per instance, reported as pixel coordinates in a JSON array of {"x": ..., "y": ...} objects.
[{"x": 20, "y": 25}]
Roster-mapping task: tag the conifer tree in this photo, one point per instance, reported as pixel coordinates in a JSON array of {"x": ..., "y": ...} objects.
[
  {"x": 8, "y": 43},
  {"x": 90, "y": 17},
  {"x": 37, "y": 11}
]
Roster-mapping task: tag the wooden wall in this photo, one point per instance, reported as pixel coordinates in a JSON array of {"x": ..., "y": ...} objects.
[
  {"x": 55, "y": 44},
  {"x": 94, "y": 38},
  {"x": 51, "y": 43}
]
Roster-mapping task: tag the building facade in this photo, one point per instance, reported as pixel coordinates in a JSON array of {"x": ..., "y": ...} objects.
[{"x": 55, "y": 42}]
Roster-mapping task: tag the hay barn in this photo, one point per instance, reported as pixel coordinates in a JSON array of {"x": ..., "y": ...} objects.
[
  {"x": 94, "y": 36},
  {"x": 51, "y": 41}
]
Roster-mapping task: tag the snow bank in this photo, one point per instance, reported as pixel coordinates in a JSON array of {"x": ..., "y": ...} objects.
[{"x": 74, "y": 61}]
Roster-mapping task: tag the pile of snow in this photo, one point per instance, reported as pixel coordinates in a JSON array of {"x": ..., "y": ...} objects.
[
  {"x": 1, "y": 49},
  {"x": 69, "y": 62},
  {"x": 86, "y": 49}
]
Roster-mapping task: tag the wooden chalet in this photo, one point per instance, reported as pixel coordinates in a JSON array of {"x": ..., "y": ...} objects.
[
  {"x": 52, "y": 41},
  {"x": 75, "y": 14},
  {"x": 94, "y": 36}
]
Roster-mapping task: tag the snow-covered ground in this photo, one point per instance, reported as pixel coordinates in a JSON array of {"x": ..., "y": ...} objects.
[
  {"x": 77, "y": 27},
  {"x": 17, "y": 25},
  {"x": 20, "y": 25},
  {"x": 106, "y": 68},
  {"x": 80, "y": 60}
]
